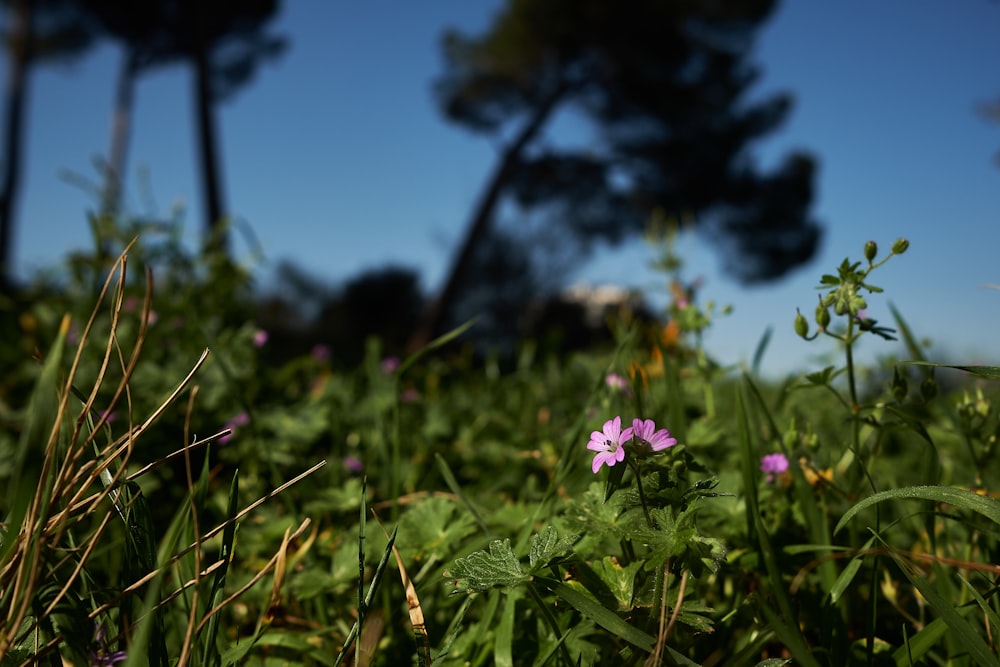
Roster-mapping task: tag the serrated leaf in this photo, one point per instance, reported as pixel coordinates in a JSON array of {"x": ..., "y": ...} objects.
[
  {"x": 480, "y": 571},
  {"x": 546, "y": 546}
]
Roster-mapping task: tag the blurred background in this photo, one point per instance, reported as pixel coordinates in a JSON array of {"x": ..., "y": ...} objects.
[{"x": 353, "y": 151}]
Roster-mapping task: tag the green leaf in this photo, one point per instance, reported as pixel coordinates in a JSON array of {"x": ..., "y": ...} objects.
[
  {"x": 847, "y": 576},
  {"x": 987, "y": 372},
  {"x": 546, "y": 546},
  {"x": 433, "y": 527},
  {"x": 480, "y": 571},
  {"x": 943, "y": 494},
  {"x": 604, "y": 617},
  {"x": 619, "y": 580}
]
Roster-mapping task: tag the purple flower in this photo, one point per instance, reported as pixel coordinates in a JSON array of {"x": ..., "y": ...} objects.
[
  {"x": 773, "y": 464},
  {"x": 645, "y": 431},
  {"x": 321, "y": 352},
  {"x": 259, "y": 338},
  {"x": 353, "y": 464},
  {"x": 608, "y": 444},
  {"x": 242, "y": 419},
  {"x": 390, "y": 364},
  {"x": 99, "y": 655}
]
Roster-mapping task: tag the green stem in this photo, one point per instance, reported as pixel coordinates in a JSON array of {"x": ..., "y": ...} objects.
[
  {"x": 642, "y": 493},
  {"x": 852, "y": 385}
]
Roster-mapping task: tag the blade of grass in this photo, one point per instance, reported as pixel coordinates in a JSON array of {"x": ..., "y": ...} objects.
[
  {"x": 503, "y": 645},
  {"x": 209, "y": 641},
  {"x": 372, "y": 589},
  {"x": 758, "y": 354},
  {"x": 785, "y": 624},
  {"x": 453, "y": 629},
  {"x": 967, "y": 500},
  {"x": 605, "y": 618},
  {"x": 968, "y": 638},
  {"x": 449, "y": 479},
  {"x": 413, "y": 604}
]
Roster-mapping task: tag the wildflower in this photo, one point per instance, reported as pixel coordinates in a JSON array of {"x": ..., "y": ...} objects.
[
  {"x": 608, "y": 444},
  {"x": 615, "y": 381},
  {"x": 242, "y": 419},
  {"x": 320, "y": 352},
  {"x": 353, "y": 464},
  {"x": 390, "y": 364},
  {"x": 645, "y": 432},
  {"x": 259, "y": 338},
  {"x": 99, "y": 655},
  {"x": 773, "y": 464}
]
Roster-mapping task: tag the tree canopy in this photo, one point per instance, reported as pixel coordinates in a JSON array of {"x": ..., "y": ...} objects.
[{"x": 664, "y": 87}]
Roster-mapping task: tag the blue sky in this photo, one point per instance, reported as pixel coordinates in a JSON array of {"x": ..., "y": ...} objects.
[{"x": 338, "y": 159}]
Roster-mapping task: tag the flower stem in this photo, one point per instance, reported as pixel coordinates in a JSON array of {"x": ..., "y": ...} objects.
[{"x": 642, "y": 493}]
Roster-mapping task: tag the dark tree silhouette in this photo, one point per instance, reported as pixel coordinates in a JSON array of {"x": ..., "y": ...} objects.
[
  {"x": 664, "y": 86},
  {"x": 36, "y": 31},
  {"x": 225, "y": 41}
]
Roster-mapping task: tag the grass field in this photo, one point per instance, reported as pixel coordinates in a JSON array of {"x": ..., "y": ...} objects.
[{"x": 170, "y": 498}]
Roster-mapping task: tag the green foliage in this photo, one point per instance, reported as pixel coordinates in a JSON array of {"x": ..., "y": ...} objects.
[{"x": 133, "y": 521}]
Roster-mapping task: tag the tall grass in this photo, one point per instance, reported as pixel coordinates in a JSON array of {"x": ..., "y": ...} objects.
[{"x": 875, "y": 545}]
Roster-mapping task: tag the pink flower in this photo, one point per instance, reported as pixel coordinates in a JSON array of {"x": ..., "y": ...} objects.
[
  {"x": 615, "y": 381},
  {"x": 242, "y": 419},
  {"x": 773, "y": 464},
  {"x": 321, "y": 352},
  {"x": 259, "y": 338},
  {"x": 390, "y": 364},
  {"x": 608, "y": 444},
  {"x": 645, "y": 431},
  {"x": 353, "y": 464}
]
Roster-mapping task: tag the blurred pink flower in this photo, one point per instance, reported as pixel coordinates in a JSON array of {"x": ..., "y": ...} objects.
[
  {"x": 390, "y": 364},
  {"x": 259, "y": 338},
  {"x": 773, "y": 464},
  {"x": 616, "y": 381},
  {"x": 234, "y": 424},
  {"x": 320, "y": 352},
  {"x": 353, "y": 464}
]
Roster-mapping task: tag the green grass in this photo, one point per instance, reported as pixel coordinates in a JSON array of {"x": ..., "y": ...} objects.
[{"x": 476, "y": 532}]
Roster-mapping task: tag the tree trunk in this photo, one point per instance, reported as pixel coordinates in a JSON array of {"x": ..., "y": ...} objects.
[
  {"x": 121, "y": 131},
  {"x": 16, "y": 100},
  {"x": 215, "y": 222},
  {"x": 439, "y": 310}
]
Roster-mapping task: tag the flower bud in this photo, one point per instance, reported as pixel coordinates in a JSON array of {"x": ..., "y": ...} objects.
[
  {"x": 870, "y": 251},
  {"x": 900, "y": 246},
  {"x": 801, "y": 325},
  {"x": 899, "y": 385},
  {"x": 928, "y": 389},
  {"x": 822, "y": 316}
]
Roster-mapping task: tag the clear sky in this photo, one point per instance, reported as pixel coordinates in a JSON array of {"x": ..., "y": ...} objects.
[{"x": 339, "y": 160}]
